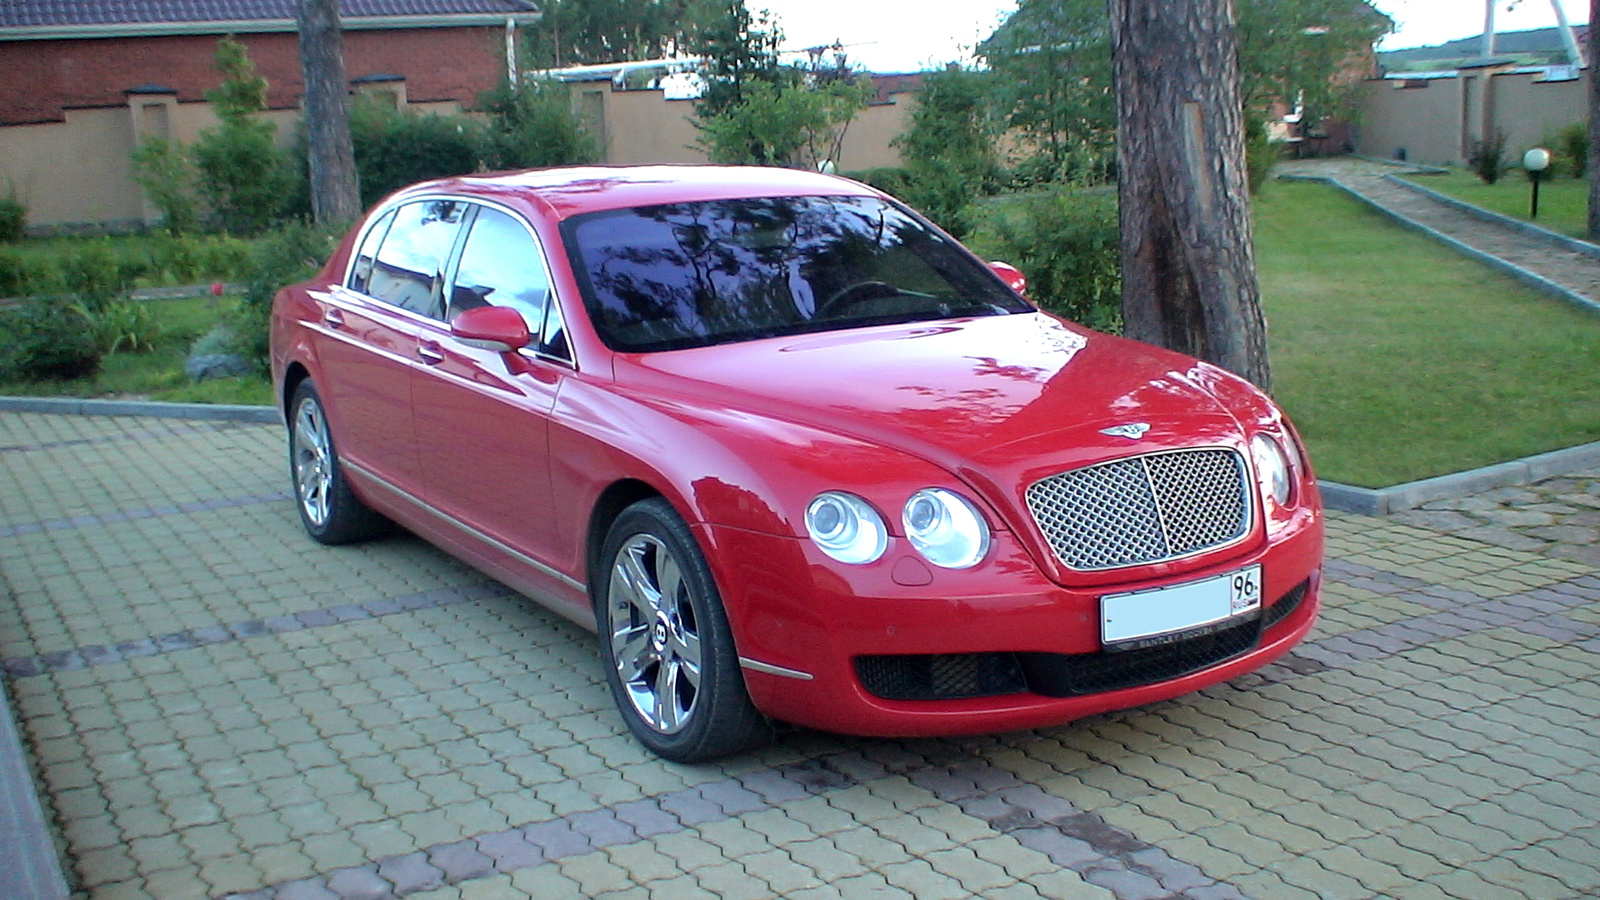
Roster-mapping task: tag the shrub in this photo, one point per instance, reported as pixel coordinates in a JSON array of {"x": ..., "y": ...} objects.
[
  {"x": 1571, "y": 146},
  {"x": 121, "y": 324},
  {"x": 166, "y": 173},
  {"x": 394, "y": 149},
  {"x": 1261, "y": 153},
  {"x": 97, "y": 274},
  {"x": 1488, "y": 158},
  {"x": 290, "y": 254},
  {"x": 1066, "y": 243},
  {"x": 13, "y": 219},
  {"x": 45, "y": 339},
  {"x": 24, "y": 273},
  {"x": 532, "y": 124}
]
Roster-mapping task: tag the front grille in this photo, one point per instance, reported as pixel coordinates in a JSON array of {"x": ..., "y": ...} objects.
[
  {"x": 940, "y": 676},
  {"x": 1145, "y": 509}
]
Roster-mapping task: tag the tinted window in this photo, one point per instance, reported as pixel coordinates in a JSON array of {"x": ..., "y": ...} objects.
[
  {"x": 408, "y": 268},
  {"x": 501, "y": 266},
  {"x": 361, "y": 272},
  {"x": 691, "y": 274}
]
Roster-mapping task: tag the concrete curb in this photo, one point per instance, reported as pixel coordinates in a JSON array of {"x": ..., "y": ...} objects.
[
  {"x": 29, "y": 866},
  {"x": 1382, "y": 501},
  {"x": 1487, "y": 215},
  {"x": 1531, "y": 279},
  {"x": 74, "y": 406}
]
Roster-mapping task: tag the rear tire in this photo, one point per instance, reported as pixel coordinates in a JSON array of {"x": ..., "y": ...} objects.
[
  {"x": 329, "y": 510},
  {"x": 669, "y": 655}
]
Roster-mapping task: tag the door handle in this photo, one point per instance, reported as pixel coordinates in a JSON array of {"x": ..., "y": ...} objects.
[
  {"x": 430, "y": 354},
  {"x": 333, "y": 318}
]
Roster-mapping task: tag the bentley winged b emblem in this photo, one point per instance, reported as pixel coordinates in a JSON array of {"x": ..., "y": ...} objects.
[{"x": 1132, "y": 430}]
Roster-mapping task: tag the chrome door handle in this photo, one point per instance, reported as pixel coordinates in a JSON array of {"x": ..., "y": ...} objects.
[
  {"x": 333, "y": 318},
  {"x": 430, "y": 354}
]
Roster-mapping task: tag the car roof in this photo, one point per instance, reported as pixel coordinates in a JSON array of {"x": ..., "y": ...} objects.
[{"x": 567, "y": 192}]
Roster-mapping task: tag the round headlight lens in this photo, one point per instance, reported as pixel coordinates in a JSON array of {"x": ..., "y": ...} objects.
[
  {"x": 1272, "y": 468},
  {"x": 846, "y": 528},
  {"x": 946, "y": 528}
]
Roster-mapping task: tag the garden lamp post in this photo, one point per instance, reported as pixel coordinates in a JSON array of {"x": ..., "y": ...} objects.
[{"x": 1536, "y": 162}]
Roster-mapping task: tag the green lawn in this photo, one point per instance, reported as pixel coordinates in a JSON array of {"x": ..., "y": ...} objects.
[
  {"x": 1563, "y": 202},
  {"x": 1399, "y": 359}
]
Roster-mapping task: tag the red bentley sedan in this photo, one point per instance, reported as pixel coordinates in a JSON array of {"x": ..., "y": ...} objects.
[{"x": 795, "y": 454}]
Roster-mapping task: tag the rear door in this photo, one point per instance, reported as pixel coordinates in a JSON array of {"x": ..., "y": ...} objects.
[{"x": 483, "y": 417}]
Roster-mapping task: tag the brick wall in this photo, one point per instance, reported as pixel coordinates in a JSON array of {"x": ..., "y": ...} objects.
[{"x": 41, "y": 79}]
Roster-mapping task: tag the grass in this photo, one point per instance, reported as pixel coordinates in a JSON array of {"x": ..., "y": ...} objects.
[
  {"x": 1399, "y": 359},
  {"x": 158, "y": 374},
  {"x": 1563, "y": 202}
]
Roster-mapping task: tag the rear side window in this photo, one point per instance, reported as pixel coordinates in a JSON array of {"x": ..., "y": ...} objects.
[{"x": 408, "y": 268}]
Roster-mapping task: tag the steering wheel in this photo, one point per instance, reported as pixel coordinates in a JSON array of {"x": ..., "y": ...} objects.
[{"x": 856, "y": 293}]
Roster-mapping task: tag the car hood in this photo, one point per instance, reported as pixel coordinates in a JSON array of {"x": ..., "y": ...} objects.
[{"x": 999, "y": 401}]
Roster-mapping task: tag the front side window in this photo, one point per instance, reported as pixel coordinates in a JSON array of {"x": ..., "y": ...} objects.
[
  {"x": 501, "y": 265},
  {"x": 693, "y": 274},
  {"x": 408, "y": 268}
]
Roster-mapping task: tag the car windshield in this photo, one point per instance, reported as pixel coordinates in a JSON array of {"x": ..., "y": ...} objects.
[{"x": 713, "y": 272}]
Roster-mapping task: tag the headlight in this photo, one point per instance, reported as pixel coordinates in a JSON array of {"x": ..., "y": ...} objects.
[
  {"x": 846, "y": 528},
  {"x": 1272, "y": 468},
  {"x": 946, "y": 528}
]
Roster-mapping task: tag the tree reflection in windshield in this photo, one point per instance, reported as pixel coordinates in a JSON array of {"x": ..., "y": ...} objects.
[{"x": 691, "y": 274}]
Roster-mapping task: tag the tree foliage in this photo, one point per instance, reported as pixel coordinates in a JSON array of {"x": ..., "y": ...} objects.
[
  {"x": 740, "y": 51},
  {"x": 1052, "y": 69},
  {"x": 949, "y": 148},
  {"x": 796, "y": 124},
  {"x": 590, "y": 32},
  {"x": 246, "y": 178}
]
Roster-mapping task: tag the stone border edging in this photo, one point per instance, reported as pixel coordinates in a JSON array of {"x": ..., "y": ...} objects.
[
  {"x": 76, "y": 406},
  {"x": 29, "y": 866},
  {"x": 1336, "y": 496},
  {"x": 1531, "y": 279}
]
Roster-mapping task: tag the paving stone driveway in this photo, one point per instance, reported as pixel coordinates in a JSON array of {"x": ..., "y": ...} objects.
[{"x": 216, "y": 706}]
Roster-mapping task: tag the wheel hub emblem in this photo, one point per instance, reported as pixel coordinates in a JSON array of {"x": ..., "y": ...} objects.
[{"x": 658, "y": 634}]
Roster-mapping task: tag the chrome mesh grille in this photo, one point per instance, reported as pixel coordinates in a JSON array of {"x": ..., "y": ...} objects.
[{"x": 1143, "y": 510}]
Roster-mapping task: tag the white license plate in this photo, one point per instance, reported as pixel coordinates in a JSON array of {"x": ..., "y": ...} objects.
[{"x": 1145, "y": 617}]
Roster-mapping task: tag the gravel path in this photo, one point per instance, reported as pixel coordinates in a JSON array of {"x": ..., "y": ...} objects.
[{"x": 1552, "y": 258}]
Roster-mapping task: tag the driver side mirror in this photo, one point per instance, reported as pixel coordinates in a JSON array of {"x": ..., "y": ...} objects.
[
  {"x": 1012, "y": 276},
  {"x": 498, "y": 328}
]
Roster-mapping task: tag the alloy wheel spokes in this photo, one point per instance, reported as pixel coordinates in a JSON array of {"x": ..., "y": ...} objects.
[
  {"x": 313, "y": 469},
  {"x": 653, "y": 645}
]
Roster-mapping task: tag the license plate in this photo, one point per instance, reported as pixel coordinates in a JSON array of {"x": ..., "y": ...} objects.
[{"x": 1144, "y": 618}]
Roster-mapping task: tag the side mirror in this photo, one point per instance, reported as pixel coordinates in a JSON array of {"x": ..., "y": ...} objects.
[
  {"x": 1012, "y": 276},
  {"x": 498, "y": 328}
]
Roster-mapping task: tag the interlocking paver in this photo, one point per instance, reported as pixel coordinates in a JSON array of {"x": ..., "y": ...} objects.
[{"x": 246, "y": 712}]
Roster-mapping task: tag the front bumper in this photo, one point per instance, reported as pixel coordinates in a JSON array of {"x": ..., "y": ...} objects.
[{"x": 898, "y": 648}]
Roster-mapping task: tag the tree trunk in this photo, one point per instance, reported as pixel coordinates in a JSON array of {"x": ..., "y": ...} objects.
[
  {"x": 1594, "y": 121},
  {"x": 335, "y": 195},
  {"x": 1188, "y": 267}
]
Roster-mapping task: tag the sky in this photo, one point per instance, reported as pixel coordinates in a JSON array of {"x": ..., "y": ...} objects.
[{"x": 911, "y": 35}]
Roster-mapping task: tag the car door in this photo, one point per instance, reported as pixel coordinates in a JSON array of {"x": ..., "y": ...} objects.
[
  {"x": 374, "y": 324},
  {"x": 482, "y": 417}
]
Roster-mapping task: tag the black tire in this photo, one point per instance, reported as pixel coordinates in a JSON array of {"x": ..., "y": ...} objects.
[
  {"x": 329, "y": 510},
  {"x": 669, "y": 654}
]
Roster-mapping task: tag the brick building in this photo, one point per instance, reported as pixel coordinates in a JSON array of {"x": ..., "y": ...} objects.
[{"x": 81, "y": 83}]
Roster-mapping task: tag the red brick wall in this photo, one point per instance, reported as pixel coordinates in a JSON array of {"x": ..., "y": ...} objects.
[{"x": 40, "y": 78}]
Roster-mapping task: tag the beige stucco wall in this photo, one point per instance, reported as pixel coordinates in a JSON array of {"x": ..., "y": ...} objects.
[
  {"x": 1437, "y": 124},
  {"x": 641, "y": 127}
]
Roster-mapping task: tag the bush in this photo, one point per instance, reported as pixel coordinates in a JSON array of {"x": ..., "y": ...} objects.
[
  {"x": 46, "y": 339},
  {"x": 248, "y": 180},
  {"x": 98, "y": 274},
  {"x": 13, "y": 219},
  {"x": 288, "y": 255},
  {"x": 1571, "y": 146},
  {"x": 532, "y": 124},
  {"x": 1261, "y": 153},
  {"x": 24, "y": 273},
  {"x": 121, "y": 324},
  {"x": 1067, "y": 244},
  {"x": 1488, "y": 158},
  {"x": 163, "y": 169},
  {"x": 394, "y": 149}
]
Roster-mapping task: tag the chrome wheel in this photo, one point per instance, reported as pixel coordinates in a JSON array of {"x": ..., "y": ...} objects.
[
  {"x": 311, "y": 456},
  {"x": 654, "y": 634}
]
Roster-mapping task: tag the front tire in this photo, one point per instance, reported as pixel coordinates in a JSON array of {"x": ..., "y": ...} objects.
[
  {"x": 329, "y": 510},
  {"x": 669, "y": 654}
]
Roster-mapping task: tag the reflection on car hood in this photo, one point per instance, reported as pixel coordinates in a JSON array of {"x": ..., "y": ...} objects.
[{"x": 1023, "y": 392}]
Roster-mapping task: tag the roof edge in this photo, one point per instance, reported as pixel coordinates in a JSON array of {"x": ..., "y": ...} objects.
[{"x": 257, "y": 26}]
